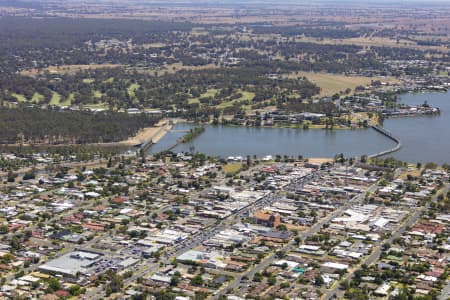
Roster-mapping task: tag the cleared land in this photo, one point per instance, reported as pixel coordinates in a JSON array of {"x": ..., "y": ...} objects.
[
  {"x": 173, "y": 68},
  {"x": 232, "y": 168},
  {"x": 331, "y": 84},
  {"x": 155, "y": 133},
  {"x": 319, "y": 160}
]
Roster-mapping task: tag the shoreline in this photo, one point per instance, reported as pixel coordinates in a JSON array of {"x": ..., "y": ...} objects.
[{"x": 154, "y": 133}]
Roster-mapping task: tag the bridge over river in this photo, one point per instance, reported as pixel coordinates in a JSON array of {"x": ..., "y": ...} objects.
[{"x": 389, "y": 135}]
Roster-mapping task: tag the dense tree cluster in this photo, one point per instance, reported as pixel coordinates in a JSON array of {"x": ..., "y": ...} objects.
[{"x": 50, "y": 126}]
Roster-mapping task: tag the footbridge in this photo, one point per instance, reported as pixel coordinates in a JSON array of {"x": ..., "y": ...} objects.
[{"x": 390, "y": 136}]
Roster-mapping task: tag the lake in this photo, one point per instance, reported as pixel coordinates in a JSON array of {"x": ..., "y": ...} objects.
[
  {"x": 226, "y": 141},
  {"x": 424, "y": 138}
]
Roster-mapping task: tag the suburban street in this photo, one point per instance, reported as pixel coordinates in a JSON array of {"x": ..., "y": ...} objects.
[
  {"x": 310, "y": 232},
  {"x": 374, "y": 256}
]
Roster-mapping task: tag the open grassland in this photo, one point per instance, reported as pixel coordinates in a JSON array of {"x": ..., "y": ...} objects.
[{"x": 331, "y": 84}]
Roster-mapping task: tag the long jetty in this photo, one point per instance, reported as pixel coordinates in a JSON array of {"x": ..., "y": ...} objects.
[{"x": 389, "y": 135}]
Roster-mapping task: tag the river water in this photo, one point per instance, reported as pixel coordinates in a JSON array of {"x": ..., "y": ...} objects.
[{"x": 424, "y": 138}]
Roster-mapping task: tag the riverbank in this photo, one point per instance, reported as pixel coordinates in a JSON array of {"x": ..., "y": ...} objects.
[{"x": 154, "y": 133}]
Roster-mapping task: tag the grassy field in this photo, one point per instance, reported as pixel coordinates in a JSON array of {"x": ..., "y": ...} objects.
[
  {"x": 175, "y": 67},
  {"x": 109, "y": 80},
  {"x": 232, "y": 168},
  {"x": 246, "y": 96},
  {"x": 37, "y": 98},
  {"x": 331, "y": 84},
  {"x": 68, "y": 101},
  {"x": 19, "y": 97},
  {"x": 208, "y": 93},
  {"x": 56, "y": 99},
  {"x": 132, "y": 89},
  {"x": 88, "y": 80},
  {"x": 97, "y": 94},
  {"x": 193, "y": 101}
]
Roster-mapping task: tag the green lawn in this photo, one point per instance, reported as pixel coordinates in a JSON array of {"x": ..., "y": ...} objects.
[
  {"x": 132, "y": 89},
  {"x": 37, "y": 98},
  {"x": 109, "y": 80},
  {"x": 209, "y": 93},
  {"x": 68, "y": 101},
  {"x": 246, "y": 96},
  {"x": 19, "y": 97},
  {"x": 56, "y": 99},
  {"x": 193, "y": 100},
  {"x": 88, "y": 80},
  {"x": 97, "y": 94},
  {"x": 9, "y": 104}
]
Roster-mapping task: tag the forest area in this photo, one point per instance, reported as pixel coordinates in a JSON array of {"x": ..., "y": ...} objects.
[{"x": 37, "y": 126}]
